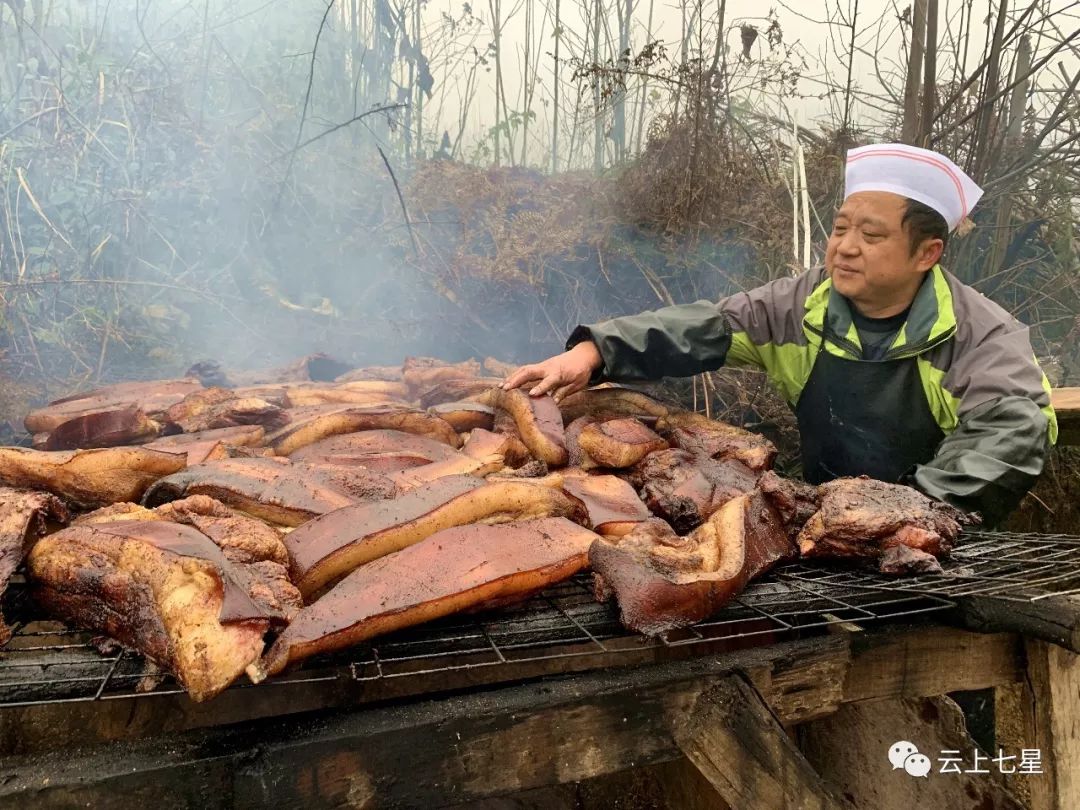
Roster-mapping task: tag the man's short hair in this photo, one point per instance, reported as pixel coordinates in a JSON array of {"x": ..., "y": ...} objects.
[{"x": 923, "y": 222}]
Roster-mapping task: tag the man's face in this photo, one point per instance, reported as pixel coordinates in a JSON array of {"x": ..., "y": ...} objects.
[{"x": 869, "y": 254}]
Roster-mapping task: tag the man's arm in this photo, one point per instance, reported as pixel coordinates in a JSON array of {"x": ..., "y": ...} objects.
[
  {"x": 676, "y": 341},
  {"x": 744, "y": 329},
  {"x": 1005, "y": 427}
]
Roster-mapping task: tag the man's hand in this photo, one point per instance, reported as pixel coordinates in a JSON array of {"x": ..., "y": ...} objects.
[{"x": 560, "y": 375}]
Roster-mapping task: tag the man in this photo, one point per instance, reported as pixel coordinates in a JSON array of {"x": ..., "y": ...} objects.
[{"x": 893, "y": 367}]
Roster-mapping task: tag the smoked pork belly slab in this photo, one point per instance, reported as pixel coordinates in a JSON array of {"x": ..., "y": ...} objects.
[{"x": 451, "y": 571}]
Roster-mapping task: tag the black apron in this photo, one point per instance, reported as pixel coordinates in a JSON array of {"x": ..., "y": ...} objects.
[{"x": 864, "y": 418}]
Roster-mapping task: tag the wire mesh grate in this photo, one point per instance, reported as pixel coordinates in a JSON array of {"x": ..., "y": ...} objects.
[
  {"x": 564, "y": 627},
  {"x": 1014, "y": 566}
]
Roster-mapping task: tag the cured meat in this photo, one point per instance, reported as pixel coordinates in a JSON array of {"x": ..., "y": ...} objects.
[
  {"x": 367, "y": 394},
  {"x": 465, "y": 416},
  {"x": 152, "y": 398},
  {"x": 450, "y": 571},
  {"x": 332, "y": 546},
  {"x": 242, "y": 539},
  {"x": 386, "y": 388},
  {"x": 107, "y": 428},
  {"x": 482, "y": 443},
  {"x": 162, "y": 588},
  {"x": 478, "y": 466},
  {"x": 613, "y": 507},
  {"x": 89, "y": 478},
  {"x": 537, "y": 420},
  {"x": 273, "y": 489},
  {"x": 795, "y": 501},
  {"x": 274, "y": 394},
  {"x": 610, "y": 403},
  {"x": 310, "y": 429},
  {"x": 215, "y": 408},
  {"x": 663, "y": 581},
  {"x": 456, "y": 390},
  {"x": 685, "y": 489},
  {"x": 24, "y": 517},
  {"x": 209, "y": 445},
  {"x": 382, "y": 451},
  {"x": 619, "y": 443},
  {"x": 421, "y": 373},
  {"x": 703, "y": 436},
  {"x": 497, "y": 367},
  {"x": 575, "y": 456},
  {"x": 901, "y": 560},
  {"x": 862, "y": 517},
  {"x": 384, "y": 373}
]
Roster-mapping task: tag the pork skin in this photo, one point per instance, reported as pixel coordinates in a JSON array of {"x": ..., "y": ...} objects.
[
  {"x": 537, "y": 420},
  {"x": 863, "y": 517},
  {"x": 465, "y": 416},
  {"x": 450, "y": 571},
  {"x": 108, "y": 428},
  {"x": 381, "y": 451},
  {"x": 152, "y": 398},
  {"x": 328, "y": 548},
  {"x": 164, "y": 589},
  {"x": 24, "y": 517},
  {"x": 273, "y": 489},
  {"x": 88, "y": 478},
  {"x": 663, "y": 581},
  {"x": 619, "y": 443},
  {"x": 610, "y": 403},
  {"x": 700, "y": 435},
  {"x": 304, "y": 431}
]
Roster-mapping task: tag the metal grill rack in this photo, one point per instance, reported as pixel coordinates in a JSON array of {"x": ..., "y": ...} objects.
[
  {"x": 1013, "y": 566},
  {"x": 558, "y": 631},
  {"x": 562, "y": 629}
]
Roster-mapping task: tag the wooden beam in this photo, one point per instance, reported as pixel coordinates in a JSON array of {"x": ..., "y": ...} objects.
[
  {"x": 1055, "y": 619},
  {"x": 500, "y": 741},
  {"x": 1066, "y": 402},
  {"x": 1053, "y": 725},
  {"x": 932, "y": 663},
  {"x": 850, "y": 750},
  {"x": 744, "y": 753}
]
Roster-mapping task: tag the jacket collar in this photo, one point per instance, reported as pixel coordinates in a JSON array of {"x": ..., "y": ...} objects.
[{"x": 930, "y": 321}]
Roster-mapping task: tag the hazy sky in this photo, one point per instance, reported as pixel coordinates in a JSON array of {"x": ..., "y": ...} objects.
[{"x": 880, "y": 45}]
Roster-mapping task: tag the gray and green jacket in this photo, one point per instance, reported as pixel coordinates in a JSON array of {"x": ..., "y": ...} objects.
[{"x": 957, "y": 407}]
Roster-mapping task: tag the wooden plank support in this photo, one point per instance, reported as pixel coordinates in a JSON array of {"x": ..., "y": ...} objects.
[
  {"x": 1052, "y": 725},
  {"x": 459, "y": 748},
  {"x": 850, "y": 748},
  {"x": 744, "y": 753}
]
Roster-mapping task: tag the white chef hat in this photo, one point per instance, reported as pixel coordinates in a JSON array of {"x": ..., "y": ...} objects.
[{"x": 920, "y": 174}]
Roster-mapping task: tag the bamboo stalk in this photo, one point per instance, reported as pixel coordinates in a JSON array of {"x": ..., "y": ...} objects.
[
  {"x": 794, "y": 190},
  {"x": 805, "y": 196}
]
